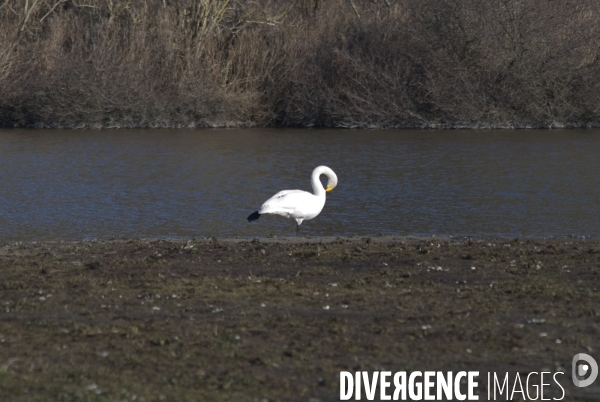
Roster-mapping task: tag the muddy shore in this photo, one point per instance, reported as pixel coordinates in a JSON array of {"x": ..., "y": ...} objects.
[{"x": 278, "y": 319}]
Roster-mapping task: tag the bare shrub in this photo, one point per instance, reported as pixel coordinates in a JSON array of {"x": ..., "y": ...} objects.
[{"x": 335, "y": 63}]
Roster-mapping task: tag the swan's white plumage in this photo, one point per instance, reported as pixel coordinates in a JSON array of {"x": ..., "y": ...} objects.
[{"x": 297, "y": 204}]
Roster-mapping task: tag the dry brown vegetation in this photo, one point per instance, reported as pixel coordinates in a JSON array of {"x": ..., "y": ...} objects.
[{"x": 335, "y": 63}]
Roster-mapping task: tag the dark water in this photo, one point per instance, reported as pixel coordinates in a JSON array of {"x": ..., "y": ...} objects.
[{"x": 190, "y": 183}]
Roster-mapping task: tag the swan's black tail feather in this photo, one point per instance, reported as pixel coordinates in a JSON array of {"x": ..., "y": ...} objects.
[{"x": 253, "y": 216}]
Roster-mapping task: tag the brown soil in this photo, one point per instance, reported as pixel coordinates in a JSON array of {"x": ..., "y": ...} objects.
[{"x": 278, "y": 319}]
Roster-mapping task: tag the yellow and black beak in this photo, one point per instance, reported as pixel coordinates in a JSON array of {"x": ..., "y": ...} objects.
[{"x": 329, "y": 188}]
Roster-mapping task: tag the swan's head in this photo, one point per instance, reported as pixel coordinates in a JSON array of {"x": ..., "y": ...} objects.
[
  {"x": 332, "y": 179},
  {"x": 331, "y": 184}
]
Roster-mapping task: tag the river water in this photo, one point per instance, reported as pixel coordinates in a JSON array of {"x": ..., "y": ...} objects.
[{"x": 87, "y": 184}]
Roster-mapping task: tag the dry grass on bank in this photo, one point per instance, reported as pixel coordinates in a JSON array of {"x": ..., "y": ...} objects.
[{"x": 335, "y": 63}]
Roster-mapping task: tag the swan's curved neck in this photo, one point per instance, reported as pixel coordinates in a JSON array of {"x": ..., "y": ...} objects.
[{"x": 317, "y": 186}]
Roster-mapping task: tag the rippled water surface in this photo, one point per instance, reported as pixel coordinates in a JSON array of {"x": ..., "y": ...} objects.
[{"x": 58, "y": 184}]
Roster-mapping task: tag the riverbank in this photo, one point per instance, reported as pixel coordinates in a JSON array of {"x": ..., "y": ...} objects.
[
  {"x": 278, "y": 319},
  {"x": 312, "y": 63}
]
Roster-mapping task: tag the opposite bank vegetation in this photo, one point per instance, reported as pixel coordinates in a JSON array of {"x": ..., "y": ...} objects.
[{"x": 306, "y": 63}]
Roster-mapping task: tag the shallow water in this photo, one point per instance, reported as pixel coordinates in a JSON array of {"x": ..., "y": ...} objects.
[{"x": 76, "y": 184}]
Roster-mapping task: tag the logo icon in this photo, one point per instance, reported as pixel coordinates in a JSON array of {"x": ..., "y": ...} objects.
[{"x": 584, "y": 366}]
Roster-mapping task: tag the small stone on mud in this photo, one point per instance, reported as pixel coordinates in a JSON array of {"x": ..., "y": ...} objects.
[{"x": 536, "y": 321}]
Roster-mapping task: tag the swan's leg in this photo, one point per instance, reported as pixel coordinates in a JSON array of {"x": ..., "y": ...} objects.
[{"x": 298, "y": 223}]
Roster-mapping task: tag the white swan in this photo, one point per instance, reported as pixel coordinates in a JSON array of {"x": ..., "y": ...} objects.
[{"x": 297, "y": 204}]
